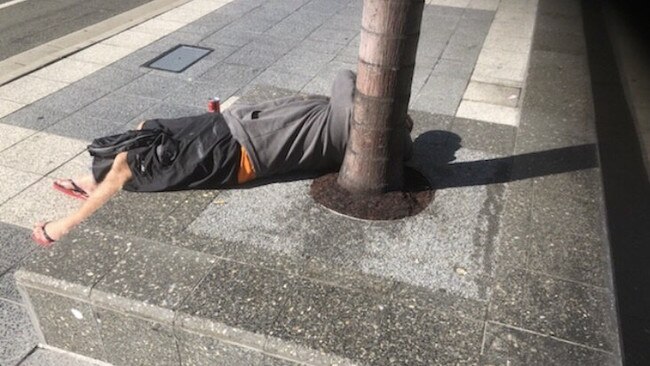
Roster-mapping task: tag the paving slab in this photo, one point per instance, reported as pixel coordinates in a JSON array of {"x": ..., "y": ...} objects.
[
  {"x": 503, "y": 41},
  {"x": 36, "y": 116},
  {"x": 76, "y": 267},
  {"x": 77, "y": 166},
  {"x": 8, "y": 288},
  {"x": 420, "y": 76},
  {"x": 134, "y": 61},
  {"x": 60, "y": 150},
  {"x": 502, "y": 75},
  {"x": 463, "y": 47},
  {"x": 152, "y": 278},
  {"x": 283, "y": 79},
  {"x": 17, "y": 335},
  {"x": 322, "y": 82},
  {"x": 349, "y": 53},
  {"x": 479, "y": 135},
  {"x": 107, "y": 79},
  {"x": 16, "y": 245},
  {"x": 244, "y": 299},
  {"x": 428, "y": 55},
  {"x": 405, "y": 296},
  {"x": 503, "y": 345},
  {"x": 429, "y": 122},
  {"x": 67, "y": 323},
  {"x": 208, "y": 24},
  {"x": 70, "y": 99},
  {"x": 152, "y": 86},
  {"x": 567, "y": 310},
  {"x": 173, "y": 212},
  {"x": 288, "y": 6},
  {"x": 131, "y": 39},
  {"x": 101, "y": 54},
  {"x": 167, "y": 109},
  {"x": 345, "y": 20},
  {"x": 415, "y": 337},
  {"x": 332, "y": 320},
  {"x": 441, "y": 95},
  {"x": 199, "y": 350},
  {"x": 484, "y": 4},
  {"x": 13, "y": 181},
  {"x": 81, "y": 127},
  {"x": 252, "y": 55},
  {"x": 67, "y": 71},
  {"x": 514, "y": 231},
  {"x": 29, "y": 89},
  {"x": 172, "y": 40},
  {"x": 569, "y": 120},
  {"x": 320, "y": 46},
  {"x": 560, "y": 40},
  {"x": 230, "y": 37},
  {"x": 117, "y": 108},
  {"x": 157, "y": 26},
  {"x": 305, "y": 63},
  {"x": 289, "y": 28},
  {"x": 453, "y": 69},
  {"x": 327, "y": 33},
  {"x": 488, "y": 112},
  {"x": 47, "y": 357},
  {"x": 130, "y": 340},
  {"x": 252, "y": 24},
  {"x": 325, "y": 7},
  {"x": 491, "y": 93},
  {"x": 274, "y": 10},
  {"x": 436, "y": 29},
  {"x": 8, "y": 107},
  {"x": 183, "y": 14},
  {"x": 198, "y": 93},
  {"x": 567, "y": 220}
]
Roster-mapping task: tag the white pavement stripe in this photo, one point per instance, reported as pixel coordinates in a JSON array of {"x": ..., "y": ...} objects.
[
  {"x": 488, "y": 112},
  {"x": 228, "y": 103},
  {"x": 502, "y": 64},
  {"x": 14, "y": 2}
]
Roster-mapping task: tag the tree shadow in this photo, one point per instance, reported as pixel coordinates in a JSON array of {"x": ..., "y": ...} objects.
[{"x": 434, "y": 153}]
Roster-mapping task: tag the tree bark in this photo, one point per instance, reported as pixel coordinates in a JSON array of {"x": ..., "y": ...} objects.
[{"x": 373, "y": 160}]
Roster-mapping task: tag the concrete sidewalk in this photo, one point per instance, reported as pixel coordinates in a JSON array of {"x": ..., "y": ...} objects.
[{"x": 509, "y": 265}]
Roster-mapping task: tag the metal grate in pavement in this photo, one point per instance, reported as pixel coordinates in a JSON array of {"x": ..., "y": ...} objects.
[{"x": 178, "y": 58}]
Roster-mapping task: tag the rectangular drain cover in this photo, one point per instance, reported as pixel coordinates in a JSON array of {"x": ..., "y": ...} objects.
[{"x": 178, "y": 58}]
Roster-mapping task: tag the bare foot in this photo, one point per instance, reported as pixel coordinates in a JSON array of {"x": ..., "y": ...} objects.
[
  {"x": 80, "y": 186},
  {"x": 87, "y": 183}
]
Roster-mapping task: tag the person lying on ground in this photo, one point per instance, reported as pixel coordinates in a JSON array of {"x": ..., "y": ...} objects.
[{"x": 215, "y": 150}]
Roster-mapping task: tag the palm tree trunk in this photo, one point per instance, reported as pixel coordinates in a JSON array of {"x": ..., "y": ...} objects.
[{"x": 373, "y": 160}]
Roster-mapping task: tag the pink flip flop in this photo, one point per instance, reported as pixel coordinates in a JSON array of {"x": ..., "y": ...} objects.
[
  {"x": 75, "y": 192},
  {"x": 46, "y": 241}
]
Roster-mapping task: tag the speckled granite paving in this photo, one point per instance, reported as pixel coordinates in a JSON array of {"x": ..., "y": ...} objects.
[
  {"x": 263, "y": 275},
  {"x": 510, "y": 257}
]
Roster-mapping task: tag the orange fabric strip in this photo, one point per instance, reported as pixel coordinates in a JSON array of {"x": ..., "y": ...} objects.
[{"x": 246, "y": 171}]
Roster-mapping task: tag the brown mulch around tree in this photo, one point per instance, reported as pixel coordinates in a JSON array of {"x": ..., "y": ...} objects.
[{"x": 415, "y": 197}]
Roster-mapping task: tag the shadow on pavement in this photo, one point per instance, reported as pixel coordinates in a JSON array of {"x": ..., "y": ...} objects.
[{"x": 441, "y": 146}]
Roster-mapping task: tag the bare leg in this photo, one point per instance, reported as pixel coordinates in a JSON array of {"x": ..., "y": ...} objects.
[{"x": 119, "y": 174}]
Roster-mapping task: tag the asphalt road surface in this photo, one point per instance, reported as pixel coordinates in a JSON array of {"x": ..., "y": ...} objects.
[{"x": 25, "y": 24}]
